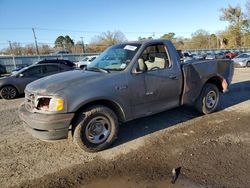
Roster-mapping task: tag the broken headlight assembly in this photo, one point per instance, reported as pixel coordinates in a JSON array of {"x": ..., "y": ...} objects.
[{"x": 50, "y": 104}]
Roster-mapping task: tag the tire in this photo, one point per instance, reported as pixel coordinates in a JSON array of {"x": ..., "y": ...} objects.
[
  {"x": 208, "y": 100},
  {"x": 8, "y": 92},
  {"x": 248, "y": 64},
  {"x": 95, "y": 129},
  {"x": 82, "y": 66}
]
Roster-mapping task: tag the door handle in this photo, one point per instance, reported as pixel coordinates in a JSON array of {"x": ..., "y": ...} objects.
[
  {"x": 122, "y": 87},
  {"x": 173, "y": 77}
]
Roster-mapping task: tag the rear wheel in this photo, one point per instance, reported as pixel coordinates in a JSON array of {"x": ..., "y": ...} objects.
[
  {"x": 8, "y": 92},
  {"x": 248, "y": 64},
  {"x": 95, "y": 129},
  {"x": 208, "y": 100}
]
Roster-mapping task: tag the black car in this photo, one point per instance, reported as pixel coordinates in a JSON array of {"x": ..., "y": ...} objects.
[
  {"x": 2, "y": 70},
  {"x": 14, "y": 85},
  {"x": 58, "y": 61}
]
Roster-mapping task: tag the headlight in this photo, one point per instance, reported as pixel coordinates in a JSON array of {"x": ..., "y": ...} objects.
[{"x": 49, "y": 104}]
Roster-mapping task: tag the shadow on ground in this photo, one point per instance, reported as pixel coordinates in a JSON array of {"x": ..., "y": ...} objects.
[{"x": 239, "y": 92}]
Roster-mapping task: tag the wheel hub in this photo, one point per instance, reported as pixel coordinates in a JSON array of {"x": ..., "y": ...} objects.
[
  {"x": 211, "y": 99},
  {"x": 98, "y": 129},
  {"x": 8, "y": 93}
]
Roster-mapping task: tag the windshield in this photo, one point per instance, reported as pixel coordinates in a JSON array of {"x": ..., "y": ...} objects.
[
  {"x": 15, "y": 73},
  {"x": 116, "y": 57},
  {"x": 85, "y": 59}
]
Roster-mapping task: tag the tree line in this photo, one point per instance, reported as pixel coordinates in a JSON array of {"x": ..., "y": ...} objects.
[{"x": 235, "y": 35}]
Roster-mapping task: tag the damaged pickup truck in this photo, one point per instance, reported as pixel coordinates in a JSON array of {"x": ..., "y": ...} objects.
[{"x": 127, "y": 81}]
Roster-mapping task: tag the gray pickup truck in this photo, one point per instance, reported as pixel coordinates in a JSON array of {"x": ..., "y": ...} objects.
[{"x": 127, "y": 81}]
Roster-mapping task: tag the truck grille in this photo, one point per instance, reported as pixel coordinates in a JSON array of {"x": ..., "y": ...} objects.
[{"x": 29, "y": 101}]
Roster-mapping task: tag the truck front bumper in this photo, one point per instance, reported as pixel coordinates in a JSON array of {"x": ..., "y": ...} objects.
[{"x": 46, "y": 126}]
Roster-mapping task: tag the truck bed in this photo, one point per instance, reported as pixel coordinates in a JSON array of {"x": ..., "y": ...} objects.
[{"x": 196, "y": 73}]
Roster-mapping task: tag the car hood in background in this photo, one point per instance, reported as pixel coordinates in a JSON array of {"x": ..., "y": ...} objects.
[
  {"x": 239, "y": 59},
  {"x": 7, "y": 77}
]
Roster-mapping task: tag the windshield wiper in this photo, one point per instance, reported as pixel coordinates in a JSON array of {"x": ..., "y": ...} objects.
[{"x": 97, "y": 69}]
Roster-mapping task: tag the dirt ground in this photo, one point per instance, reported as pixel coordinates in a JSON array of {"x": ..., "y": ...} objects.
[{"x": 210, "y": 151}]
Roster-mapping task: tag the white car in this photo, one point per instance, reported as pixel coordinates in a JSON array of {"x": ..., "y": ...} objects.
[
  {"x": 85, "y": 61},
  {"x": 242, "y": 60}
]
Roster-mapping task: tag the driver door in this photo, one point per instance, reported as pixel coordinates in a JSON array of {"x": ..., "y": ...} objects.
[{"x": 160, "y": 84}]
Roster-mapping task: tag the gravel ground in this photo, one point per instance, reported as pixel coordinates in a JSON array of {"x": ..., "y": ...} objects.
[{"x": 211, "y": 150}]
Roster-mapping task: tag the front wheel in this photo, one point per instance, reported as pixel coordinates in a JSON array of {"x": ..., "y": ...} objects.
[
  {"x": 8, "y": 92},
  {"x": 248, "y": 64},
  {"x": 208, "y": 100},
  {"x": 95, "y": 129},
  {"x": 83, "y": 66}
]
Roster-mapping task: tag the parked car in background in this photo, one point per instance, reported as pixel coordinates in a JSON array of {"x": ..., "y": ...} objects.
[
  {"x": 13, "y": 85},
  {"x": 242, "y": 60},
  {"x": 57, "y": 61},
  {"x": 210, "y": 56},
  {"x": 186, "y": 56},
  {"x": 85, "y": 61},
  {"x": 219, "y": 55},
  {"x": 230, "y": 55},
  {"x": 199, "y": 56},
  {"x": 2, "y": 70}
]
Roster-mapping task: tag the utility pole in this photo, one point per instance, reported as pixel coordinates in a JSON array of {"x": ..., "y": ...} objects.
[
  {"x": 12, "y": 53},
  {"x": 37, "y": 52},
  {"x": 209, "y": 42},
  {"x": 11, "y": 49},
  {"x": 83, "y": 50}
]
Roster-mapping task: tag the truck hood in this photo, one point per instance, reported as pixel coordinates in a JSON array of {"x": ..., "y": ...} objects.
[{"x": 52, "y": 84}]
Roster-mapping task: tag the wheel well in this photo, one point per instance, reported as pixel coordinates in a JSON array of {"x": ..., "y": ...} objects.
[
  {"x": 216, "y": 81},
  {"x": 11, "y": 86},
  {"x": 107, "y": 103}
]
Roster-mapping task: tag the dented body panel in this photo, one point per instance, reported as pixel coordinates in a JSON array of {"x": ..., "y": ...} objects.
[{"x": 197, "y": 73}]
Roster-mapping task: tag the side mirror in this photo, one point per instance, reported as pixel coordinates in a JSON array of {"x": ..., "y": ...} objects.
[{"x": 141, "y": 67}]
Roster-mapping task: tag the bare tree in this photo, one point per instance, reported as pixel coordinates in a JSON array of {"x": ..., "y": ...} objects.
[
  {"x": 99, "y": 43},
  {"x": 237, "y": 22}
]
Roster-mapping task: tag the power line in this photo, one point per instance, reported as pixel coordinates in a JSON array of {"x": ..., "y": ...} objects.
[{"x": 14, "y": 28}]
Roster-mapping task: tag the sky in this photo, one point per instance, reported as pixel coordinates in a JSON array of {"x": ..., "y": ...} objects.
[{"x": 89, "y": 18}]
